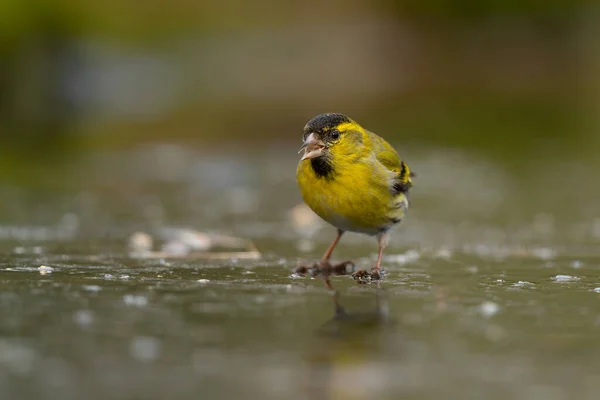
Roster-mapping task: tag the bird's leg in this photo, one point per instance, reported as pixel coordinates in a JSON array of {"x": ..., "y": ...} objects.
[
  {"x": 324, "y": 266},
  {"x": 383, "y": 239},
  {"x": 325, "y": 260},
  {"x": 362, "y": 275}
]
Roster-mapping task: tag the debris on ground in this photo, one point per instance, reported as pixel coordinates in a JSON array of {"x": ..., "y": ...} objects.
[
  {"x": 45, "y": 270},
  {"x": 188, "y": 243}
]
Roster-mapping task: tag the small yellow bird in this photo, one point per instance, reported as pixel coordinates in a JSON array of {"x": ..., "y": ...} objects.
[{"x": 354, "y": 180}]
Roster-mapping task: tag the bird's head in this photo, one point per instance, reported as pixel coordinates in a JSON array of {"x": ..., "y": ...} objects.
[{"x": 329, "y": 134}]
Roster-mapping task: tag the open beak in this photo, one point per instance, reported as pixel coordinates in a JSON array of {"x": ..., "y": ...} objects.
[{"x": 312, "y": 147}]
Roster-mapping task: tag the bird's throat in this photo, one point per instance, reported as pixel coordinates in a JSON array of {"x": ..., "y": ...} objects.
[{"x": 323, "y": 167}]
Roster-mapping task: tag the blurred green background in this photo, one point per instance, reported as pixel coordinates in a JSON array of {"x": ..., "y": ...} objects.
[
  {"x": 511, "y": 77},
  {"x": 514, "y": 83}
]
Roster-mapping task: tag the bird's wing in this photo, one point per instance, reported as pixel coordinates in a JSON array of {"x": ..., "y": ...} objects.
[{"x": 390, "y": 159}]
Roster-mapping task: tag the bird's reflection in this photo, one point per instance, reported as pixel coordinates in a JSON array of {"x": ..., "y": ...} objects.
[
  {"x": 342, "y": 363},
  {"x": 346, "y": 324}
]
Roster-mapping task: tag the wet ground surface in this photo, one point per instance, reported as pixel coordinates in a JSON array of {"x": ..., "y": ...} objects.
[{"x": 491, "y": 291}]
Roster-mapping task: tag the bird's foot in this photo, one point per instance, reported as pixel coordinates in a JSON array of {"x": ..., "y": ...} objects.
[
  {"x": 376, "y": 274},
  {"x": 325, "y": 268},
  {"x": 363, "y": 276}
]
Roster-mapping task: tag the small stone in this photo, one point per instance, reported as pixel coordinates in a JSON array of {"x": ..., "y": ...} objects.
[
  {"x": 522, "y": 284},
  {"x": 565, "y": 278},
  {"x": 489, "y": 309},
  {"x": 597, "y": 290},
  {"x": 44, "y": 270},
  {"x": 133, "y": 300},
  {"x": 203, "y": 281}
]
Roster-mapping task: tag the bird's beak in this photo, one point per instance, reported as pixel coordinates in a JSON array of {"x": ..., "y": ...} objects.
[{"x": 312, "y": 147}]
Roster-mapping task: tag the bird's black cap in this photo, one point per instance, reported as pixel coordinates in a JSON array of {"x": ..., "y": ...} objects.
[{"x": 323, "y": 122}]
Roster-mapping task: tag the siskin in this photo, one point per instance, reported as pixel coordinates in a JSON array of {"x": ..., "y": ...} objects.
[{"x": 354, "y": 180}]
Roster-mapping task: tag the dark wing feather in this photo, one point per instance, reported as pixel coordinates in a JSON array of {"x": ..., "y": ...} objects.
[{"x": 388, "y": 156}]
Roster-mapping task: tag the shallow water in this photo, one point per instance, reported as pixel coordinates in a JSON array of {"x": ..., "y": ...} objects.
[{"x": 491, "y": 290}]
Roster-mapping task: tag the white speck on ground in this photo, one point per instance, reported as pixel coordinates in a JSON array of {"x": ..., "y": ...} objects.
[
  {"x": 597, "y": 290},
  {"x": 522, "y": 284},
  {"x": 108, "y": 276},
  {"x": 133, "y": 300},
  {"x": 92, "y": 288},
  {"x": 576, "y": 264},
  {"x": 45, "y": 269},
  {"x": 203, "y": 281},
  {"x": 83, "y": 318},
  {"x": 144, "y": 348},
  {"x": 565, "y": 278},
  {"x": 489, "y": 309}
]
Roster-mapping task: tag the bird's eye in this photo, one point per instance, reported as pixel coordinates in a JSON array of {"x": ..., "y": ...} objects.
[{"x": 335, "y": 134}]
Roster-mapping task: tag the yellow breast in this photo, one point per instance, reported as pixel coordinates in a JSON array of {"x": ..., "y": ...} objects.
[{"x": 356, "y": 197}]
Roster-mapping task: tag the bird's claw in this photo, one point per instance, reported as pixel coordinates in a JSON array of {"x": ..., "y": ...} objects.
[{"x": 363, "y": 276}]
